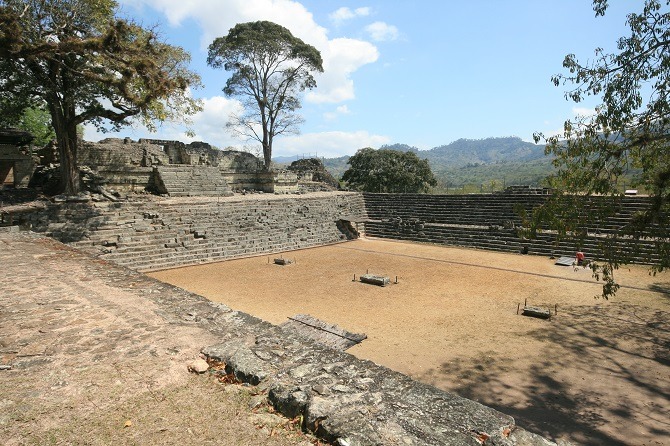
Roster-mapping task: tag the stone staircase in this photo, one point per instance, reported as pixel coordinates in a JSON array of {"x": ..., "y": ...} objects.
[
  {"x": 188, "y": 181},
  {"x": 491, "y": 222},
  {"x": 164, "y": 234}
]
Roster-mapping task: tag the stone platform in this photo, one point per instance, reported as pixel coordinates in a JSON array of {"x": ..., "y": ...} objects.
[{"x": 91, "y": 350}]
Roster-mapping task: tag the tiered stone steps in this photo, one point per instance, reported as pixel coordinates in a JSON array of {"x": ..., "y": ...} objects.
[
  {"x": 488, "y": 222},
  {"x": 191, "y": 180},
  {"x": 164, "y": 234}
]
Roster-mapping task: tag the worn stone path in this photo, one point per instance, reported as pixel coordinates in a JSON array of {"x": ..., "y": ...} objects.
[{"x": 94, "y": 361}]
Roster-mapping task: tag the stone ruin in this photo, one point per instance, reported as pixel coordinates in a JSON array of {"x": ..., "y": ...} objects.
[
  {"x": 178, "y": 169},
  {"x": 16, "y": 163}
]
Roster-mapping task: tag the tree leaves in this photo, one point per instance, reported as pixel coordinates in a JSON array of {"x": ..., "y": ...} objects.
[
  {"x": 270, "y": 67},
  {"x": 88, "y": 66},
  {"x": 627, "y": 136},
  {"x": 387, "y": 170}
]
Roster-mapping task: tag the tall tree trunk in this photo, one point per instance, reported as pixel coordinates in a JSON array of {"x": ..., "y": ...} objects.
[
  {"x": 62, "y": 118},
  {"x": 67, "y": 149},
  {"x": 267, "y": 156},
  {"x": 267, "y": 149}
]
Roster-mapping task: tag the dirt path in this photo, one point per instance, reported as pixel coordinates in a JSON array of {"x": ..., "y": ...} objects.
[
  {"x": 93, "y": 361},
  {"x": 597, "y": 373}
]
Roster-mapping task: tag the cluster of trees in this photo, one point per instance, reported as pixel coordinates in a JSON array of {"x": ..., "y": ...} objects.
[
  {"x": 81, "y": 64},
  {"x": 386, "y": 170}
]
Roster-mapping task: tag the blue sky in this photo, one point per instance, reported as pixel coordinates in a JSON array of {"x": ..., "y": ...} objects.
[{"x": 423, "y": 73}]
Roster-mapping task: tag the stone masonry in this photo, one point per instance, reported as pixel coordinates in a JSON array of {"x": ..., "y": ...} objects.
[{"x": 148, "y": 235}]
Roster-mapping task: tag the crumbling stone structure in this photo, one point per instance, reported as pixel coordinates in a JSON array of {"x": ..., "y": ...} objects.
[
  {"x": 16, "y": 162},
  {"x": 178, "y": 169}
]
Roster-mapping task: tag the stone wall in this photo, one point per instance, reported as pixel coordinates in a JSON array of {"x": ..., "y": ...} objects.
[
  {"x": 169, "y": 233},
  {"x": 491, "y": 222},
  {"x": 16, "y": 163},
  {"x": 115, "y": 153},
  {"x": 16, "y": 168},
  {"x": 189, "y": 169},
  {"x": 185, "y": 181}
]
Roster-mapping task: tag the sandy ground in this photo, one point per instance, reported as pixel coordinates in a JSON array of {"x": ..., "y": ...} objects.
[
  {"x": 89, "y": 359},
  {"x": 597, "y": 373}
]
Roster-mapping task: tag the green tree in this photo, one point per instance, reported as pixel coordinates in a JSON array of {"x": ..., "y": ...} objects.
[
  {"x": 87, "y": 66},
  {"x": 627, "y": 137},
  {"x": 36, "y": 121},
  {"x": 386, "y": 170},
  {"x": 269, "y": 68}
]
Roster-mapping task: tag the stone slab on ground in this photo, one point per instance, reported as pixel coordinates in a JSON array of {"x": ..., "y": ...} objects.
[
  {"x": 565, "y": 261},
  {"x": 323, "y": 332}
]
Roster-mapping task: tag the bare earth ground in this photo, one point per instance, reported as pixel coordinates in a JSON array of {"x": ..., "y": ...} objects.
[
  {"x": 93, "y": 362},
  {"x": 596, "y": 373}
]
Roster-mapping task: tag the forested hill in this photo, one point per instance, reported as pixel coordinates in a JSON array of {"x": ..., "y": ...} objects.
[
  {"x": 465, "y": 152},
  {"x": 474, "y": 162}
]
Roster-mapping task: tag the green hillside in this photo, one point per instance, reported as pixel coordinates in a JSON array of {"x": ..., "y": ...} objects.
[{"x": 469, "y": 165}]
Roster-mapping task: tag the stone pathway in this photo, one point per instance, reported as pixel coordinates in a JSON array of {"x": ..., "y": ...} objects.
[{"x": 87, "y": 358}]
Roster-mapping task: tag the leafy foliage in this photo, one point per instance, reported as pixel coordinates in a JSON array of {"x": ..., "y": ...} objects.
[
  {"x": 627, "y": 137},
  {"x": 269, "y": 68},
  {"x": 387, "y": 170},
  {"x": 34, "y": 120},
  {"x": 87, "y": 66}
]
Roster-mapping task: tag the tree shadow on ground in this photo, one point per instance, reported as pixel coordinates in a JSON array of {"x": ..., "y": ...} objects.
[
  {"x": 662, "y": 288},
  {"x": 601, "y": 379},
  {"x": 13, "y": 196}
]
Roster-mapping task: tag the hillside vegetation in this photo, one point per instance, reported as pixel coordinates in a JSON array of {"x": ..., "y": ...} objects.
[{"x": 474, "y": 165}]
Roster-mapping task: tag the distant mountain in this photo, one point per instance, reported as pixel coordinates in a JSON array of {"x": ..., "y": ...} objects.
[
  {"x": 502, "y": 161},
  {"x": 484, "y": 151}
]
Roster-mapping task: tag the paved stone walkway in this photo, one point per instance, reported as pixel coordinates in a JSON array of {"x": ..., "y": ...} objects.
[{"x": 87, "y": 358}]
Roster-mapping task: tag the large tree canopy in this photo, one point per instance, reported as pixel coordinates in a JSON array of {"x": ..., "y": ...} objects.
[
  {"x": 386, "y": 170},
  {"x": 269, "y": 68},
  {"x": 627, "y": 137},
  {"x": 87, "y": 66}
]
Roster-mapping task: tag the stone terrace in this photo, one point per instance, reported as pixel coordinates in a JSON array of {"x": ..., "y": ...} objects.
[
  {"x": 185, "y": 181},
  {"x": 482, "y": 221},
  {"x": 166, "y": 233}
]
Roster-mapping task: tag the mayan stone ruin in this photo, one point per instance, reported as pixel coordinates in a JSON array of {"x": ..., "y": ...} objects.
[{"x": 164, "y": 204}]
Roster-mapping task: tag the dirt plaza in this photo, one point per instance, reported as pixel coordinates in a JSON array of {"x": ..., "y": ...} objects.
[{"x": 595, "y": 373}]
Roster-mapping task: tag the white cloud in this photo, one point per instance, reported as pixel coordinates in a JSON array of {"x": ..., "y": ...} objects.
[
  {"x": 345, "y": 13},
  {"x": 341, "y": 110},
  {"x": 341, "y": 57},
  {"x": 327, "y": 144},
  {"x": 382, "y": 32}
]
